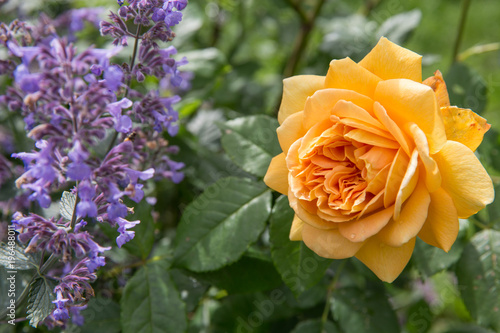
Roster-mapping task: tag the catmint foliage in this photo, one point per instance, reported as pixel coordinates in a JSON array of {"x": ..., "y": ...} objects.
[{"x": 72, "y": 101}]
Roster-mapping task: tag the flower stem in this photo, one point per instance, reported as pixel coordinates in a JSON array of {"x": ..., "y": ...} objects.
[
  {"x": 129, "y": 80},
  {"x": 461, "y": 26},
  {"x": 331, "y": 287},
  {"x": 301, "y": 41}
]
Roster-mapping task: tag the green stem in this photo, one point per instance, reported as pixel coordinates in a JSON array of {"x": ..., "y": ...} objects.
[
  {"x": 331, "y": 287},
  {"x": 132, "y": 63},
  {"x": 461, "y": 27},
  {"x": 301, "y": 41}
]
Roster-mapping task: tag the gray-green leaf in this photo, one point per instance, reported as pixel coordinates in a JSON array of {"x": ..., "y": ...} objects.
[
  {"x": 299, "y": 267},
  {"x": 67, "y": 205},
  {"x": 14, "y": 258},
  {"x": 218, "y": 226},
  {"x": 151, "y": 302},
  {"x": 251, "y": 142},
  {"x": 397, "y": 28},
  {"x": 39, "y": 301}
]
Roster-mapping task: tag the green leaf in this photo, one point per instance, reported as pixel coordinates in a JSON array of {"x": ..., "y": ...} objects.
[
  {"x": 466, "y": 88},
  {"x": 248, "y": 274},
  {"x": 364, "y": 311},
  {"x": 190, "y": 289},
  {"x": 420, "y": 318},
  {"x": 315, "y": 326},
  {"x": 397, "y": 28},
  {"x": 468, "y": 328},
  {"x": 218, "y": 226},
  {"x": 67, "y": 205},
  {"x": 251, "y": 142},
  {"x": 151, "y": 302},
  {"x": 143, "y": 241},
  {"x": 14, "y": 257},
  {"x": 298, "y": 266},
  {"x": 101, "y": 315},
  {"x": 430, "y": 259},
  {"x": 40, "y": 299},
  {"x": 478, "y": 273}
]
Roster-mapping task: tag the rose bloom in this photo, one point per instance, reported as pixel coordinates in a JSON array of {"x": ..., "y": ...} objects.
[{"x": 373, "y": 157}]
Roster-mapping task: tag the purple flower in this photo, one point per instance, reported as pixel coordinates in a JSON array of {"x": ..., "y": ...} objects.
[
  {"x": 78, "y": 170},
  {"x": 125, "y": 235},
  {"x": 28, "y": 82},
  {"x": 113, "y": 76},
  {"x": 173, "y": 18}
]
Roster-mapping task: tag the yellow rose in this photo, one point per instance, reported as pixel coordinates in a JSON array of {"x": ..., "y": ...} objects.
[{"x": 373, "y": 157}]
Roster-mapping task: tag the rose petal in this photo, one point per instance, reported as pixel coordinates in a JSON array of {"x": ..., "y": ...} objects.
[
  {"x": 408, "y": 101},
  {"x": 319, "y": 105},
  {"x": 348, "y": 109},
  {"x": 277, "y": 174},
  {"x": 395, "y": 177},
  {"x": 465, "y": 179},
  {"x": 296, "y": 89},
  {"x": 432, "y": 176},
  {"x": 408, "y": 184},
  {"x": 391, "y": 61},
  {"x": 296, "y": 229},
  {"x": 412, "y": 218},
  {"x": 437, "y": 84},
  {"x": 393, "y": 128},
  {"x": 329, "y": 243},
  {"x": 362, "y": 229},
  {"x": 346, "y": 74},
  {"x": 385, "y": 261},
  {"x": 464, "y": 126},
  {"x": 371, "y": 139},
  {"x": 291, "y": 130},
  {"x": 441, "y": 227}
]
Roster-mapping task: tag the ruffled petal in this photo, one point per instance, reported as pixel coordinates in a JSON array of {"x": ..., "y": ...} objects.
[
  {"x": 277, "y": 174},
  {"x": 296, "y": 89},
  {"x": 391, "y": 61},
  {"x": 329, "y": 243},
  {"x": 408, "y": 101},
  {"x": 346, "y": 74},
  {"x": 464, "y": 178},
  {"x": 408, "y": 184},
  {"x": 464, "y": 126},
  {"x": 385, "y": 261},
  {"x": 441, "y": 227}
]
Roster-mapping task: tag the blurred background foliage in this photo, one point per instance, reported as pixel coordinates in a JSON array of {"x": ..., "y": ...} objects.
[{"x": 239, "y": 52}]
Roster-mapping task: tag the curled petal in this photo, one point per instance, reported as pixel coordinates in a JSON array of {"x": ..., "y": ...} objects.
[
  {"x": 437, "y": 84},
  {"x": 412, "y": 218}
]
